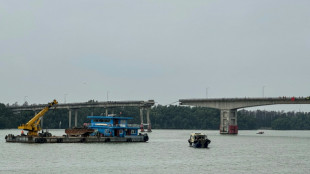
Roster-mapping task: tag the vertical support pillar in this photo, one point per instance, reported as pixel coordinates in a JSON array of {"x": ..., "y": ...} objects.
[
  {"x": 106, "y": 111},
  {"x": 141, "y": 118},
  {"x": 75, "y": 119},
  {"x": 228, "y": 123},
  {"x": 149, "y": 129},
  {"x": 41, "y": 122},
  {"x": 69, "y": 118}
]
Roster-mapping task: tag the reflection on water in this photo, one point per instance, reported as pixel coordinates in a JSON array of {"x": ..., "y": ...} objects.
[{"x": 166, "y": 152}]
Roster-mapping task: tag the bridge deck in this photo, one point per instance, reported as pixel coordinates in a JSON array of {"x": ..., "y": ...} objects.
[
  {"x": 237, "y": 103},
  {"x": 108, "y": 104}
]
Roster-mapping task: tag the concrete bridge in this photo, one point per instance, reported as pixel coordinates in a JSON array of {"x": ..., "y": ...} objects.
[
  {"x": 108, "y": 105},
  {"x": 229, "y": 107}
]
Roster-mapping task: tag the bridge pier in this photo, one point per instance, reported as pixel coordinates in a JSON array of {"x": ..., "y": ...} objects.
[
  {"x": 228, "y": 123},
  {"x": 149, "y": 129},
  {"x": 41, "y": 122},
  {"x": 148, "y": 120},
  {"x": 69, "y": 118},
  {"x": 75, "y": 119},
  {"x": 141, "y": 118}
]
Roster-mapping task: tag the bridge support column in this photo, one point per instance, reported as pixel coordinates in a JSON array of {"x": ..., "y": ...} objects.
[
  {"x": 149, "y": 129},
  {"x": 106, "y": 111},
  {"x": 228, "y": 121},
  {"x": 141, "y": 118},
  {"x": 41, "y": 122},
  {"x": 75, "y": 119},
  {"x": 69, "y": 118}
]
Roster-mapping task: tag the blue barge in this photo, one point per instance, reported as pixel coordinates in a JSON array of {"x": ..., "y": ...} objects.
[
  {"x": 101, "y": 129},
  {"x": 111, "y": 126}
]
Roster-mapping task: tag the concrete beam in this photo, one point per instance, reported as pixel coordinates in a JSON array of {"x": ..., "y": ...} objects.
[
  {"x": 237, "y": 103},
  {"x": 109, "y": 104}
]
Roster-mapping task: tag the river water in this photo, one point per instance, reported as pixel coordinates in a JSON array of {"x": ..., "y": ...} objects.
[{"x": 166, "y": 152}]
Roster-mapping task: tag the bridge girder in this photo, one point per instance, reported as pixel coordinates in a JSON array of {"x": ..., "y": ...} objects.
[
  {"x": 109, "y": 104},
  {"x": 237, "y": 103}
]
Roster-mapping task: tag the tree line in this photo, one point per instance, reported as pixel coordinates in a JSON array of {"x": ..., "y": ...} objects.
[{"x": 167, "y": 117}]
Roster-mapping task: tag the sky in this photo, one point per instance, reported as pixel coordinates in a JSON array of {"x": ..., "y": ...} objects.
[{"x": 165, "y": 50}]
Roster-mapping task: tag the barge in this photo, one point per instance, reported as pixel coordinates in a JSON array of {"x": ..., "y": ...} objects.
[
  {"x": 101, "y": 129},
  {"x": 69, "y": 139}
]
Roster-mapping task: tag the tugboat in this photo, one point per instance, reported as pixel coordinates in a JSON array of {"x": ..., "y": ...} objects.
[{"x": 198, "y": 140}]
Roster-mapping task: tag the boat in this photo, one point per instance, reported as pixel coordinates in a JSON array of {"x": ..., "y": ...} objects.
[
  {"x": 198, "y": 140},
  {"x": 116, "y": 128},
  {"x": 260, "y": 132},
  {"x": 101, "y": 129}
]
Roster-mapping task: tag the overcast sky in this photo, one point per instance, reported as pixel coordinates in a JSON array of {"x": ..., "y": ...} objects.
[{"x": 164, "y": 50}]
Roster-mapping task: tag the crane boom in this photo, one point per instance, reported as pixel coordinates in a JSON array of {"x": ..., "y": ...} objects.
[{"x": 33, "y": 125}]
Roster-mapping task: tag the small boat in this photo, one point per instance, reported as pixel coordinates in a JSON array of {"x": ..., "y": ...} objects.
[
  {"x": 198, "y": 140},
  {"x": 261, "y": 132}
]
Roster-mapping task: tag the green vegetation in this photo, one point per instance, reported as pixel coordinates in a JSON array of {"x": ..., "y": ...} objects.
[{"x": 167, "y": 117}]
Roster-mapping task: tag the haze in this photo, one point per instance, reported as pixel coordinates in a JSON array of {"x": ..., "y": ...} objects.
[{"x": 162, "y": 50}]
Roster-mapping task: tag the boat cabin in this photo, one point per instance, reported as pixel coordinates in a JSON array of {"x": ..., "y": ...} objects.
[
  {"x": 196, "y": 136},
  {"x": 112, "y": 126},
  {"x": 199, "y": 140}
]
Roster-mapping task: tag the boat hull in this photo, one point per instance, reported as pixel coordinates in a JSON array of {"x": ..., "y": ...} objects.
[
  {"x": 68, "y": 139},
  {"x": 201, "y": 144}
]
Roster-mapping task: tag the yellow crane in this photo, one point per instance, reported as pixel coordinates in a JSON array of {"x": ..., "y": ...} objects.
[{"x": 33, "y": 126}]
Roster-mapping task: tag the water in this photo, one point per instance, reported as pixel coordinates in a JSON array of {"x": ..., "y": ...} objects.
[{"x": 166, "y": 152}]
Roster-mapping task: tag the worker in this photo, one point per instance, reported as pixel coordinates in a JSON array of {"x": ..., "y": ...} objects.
[{"x": 22, "y": 133}]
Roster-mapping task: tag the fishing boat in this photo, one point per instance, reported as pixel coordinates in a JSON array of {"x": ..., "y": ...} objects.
[
  {"x": 198, "y": 140},
  {"x": 260, "y": 132}
]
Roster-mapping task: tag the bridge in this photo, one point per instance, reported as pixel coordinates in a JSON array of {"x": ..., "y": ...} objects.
[
  {"x": 229, "y": 107},
  {"x": 108, "y": 105}
]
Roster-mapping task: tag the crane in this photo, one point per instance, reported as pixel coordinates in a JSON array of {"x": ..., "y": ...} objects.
[{"x": 33, "y": 126}]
